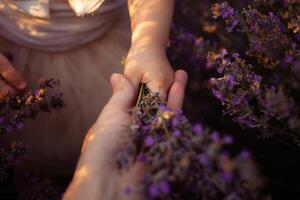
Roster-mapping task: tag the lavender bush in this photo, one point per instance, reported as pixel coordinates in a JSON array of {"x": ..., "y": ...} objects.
[
  {"x": 252, "y": 103},
  {"x": 221, "y": 49},
  {"x": 184, "y": 161},
  {"x": 242, "y": 57},
  {"x": 14, "y": 110},
  {"x": 268, "y": 101}
]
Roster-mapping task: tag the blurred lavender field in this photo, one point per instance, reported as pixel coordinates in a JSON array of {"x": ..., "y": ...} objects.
[{"x": 243, "y": 61}]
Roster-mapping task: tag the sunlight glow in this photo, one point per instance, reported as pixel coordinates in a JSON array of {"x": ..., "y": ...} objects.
[{"x": 82, "y": 7}]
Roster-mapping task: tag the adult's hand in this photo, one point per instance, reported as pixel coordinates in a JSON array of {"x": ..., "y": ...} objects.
[{"x": 96, "y": 176}]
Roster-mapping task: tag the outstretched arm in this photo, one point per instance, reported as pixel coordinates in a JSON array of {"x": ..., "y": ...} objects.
[
  {"x": 146, "y": 61},
  {"x": 150, "y": 21}
]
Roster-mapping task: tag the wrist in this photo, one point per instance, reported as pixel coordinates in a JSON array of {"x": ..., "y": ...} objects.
[
  {"x": 146, "y": 52},
  {"x": 148, "y": 44}
]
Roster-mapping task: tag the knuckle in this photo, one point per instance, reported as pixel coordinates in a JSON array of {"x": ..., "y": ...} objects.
[{"x": 131, "y": 70}]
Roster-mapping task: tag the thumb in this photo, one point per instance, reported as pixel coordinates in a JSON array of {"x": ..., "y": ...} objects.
[{"x": 123, "y": 92}]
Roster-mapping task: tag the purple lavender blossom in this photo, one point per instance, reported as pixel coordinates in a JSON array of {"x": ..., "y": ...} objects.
[
  {"x": 164, "y": 187},
  {"x": 228, "y": 139},
  {"x": 245, "y": 155},
  {"x": 177, "y": 133},
  {"x": 218, "y": 95},
  {"x": 198, "y": 129},
  {"x": 153, "y": 191},
  {"x": 15, "y": 109},
  {"x": 249, "y": 101},
  {"x": 203, "y": 159},
  {"x": 214, "y": 136},
  {"x": 184, "y": 159},
  {"x": 225, "y": 11},
  {"x": 149, "y": 141}
]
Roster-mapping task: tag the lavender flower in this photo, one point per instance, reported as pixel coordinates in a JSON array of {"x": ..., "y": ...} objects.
[
  {"x": 228, "y": 13},
  {"x": 189, "y": 165},
  {"x": 15, "y": 109},
  {"x": 250, "y": 102},
  {"x": 274, "y": 65}
]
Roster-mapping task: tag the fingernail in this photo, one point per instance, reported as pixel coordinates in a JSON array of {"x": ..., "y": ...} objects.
[{"x": 22, "y": 85}]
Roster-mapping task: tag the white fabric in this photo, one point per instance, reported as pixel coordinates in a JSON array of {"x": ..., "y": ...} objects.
[
  {"x": 41, "y": 8},
  {"x": 54, "y": 139},
  {"x": 54, "y": 26}
]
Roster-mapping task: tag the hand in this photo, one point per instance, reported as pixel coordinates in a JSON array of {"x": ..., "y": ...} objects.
[
  {"x": 96, "y": 176},
  {"x": 149, "y": 64},
  {"x": 10, "y": 79}
]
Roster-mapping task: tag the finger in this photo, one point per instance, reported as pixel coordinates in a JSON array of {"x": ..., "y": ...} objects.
[
  {"x": 116, "y": 111},
  {"x": 5, "y": 89},
  {"x": 133, "y": 76},
  {"x": 135, "y": 83},
  {"x": 10, "y": 74},
  {"x": 176, "y": 93},
  {"x": 123, "y": 92}
]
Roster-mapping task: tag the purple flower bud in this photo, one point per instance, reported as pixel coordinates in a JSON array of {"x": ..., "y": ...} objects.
[
  {"x": 227, "y": 176},
  {"x": 214, "y": 136},
  {"x": 153, "y": 191},
  {"x": 245, "y": 155},
  {"x": 203, "y": 159},
  {"x": 1, "y": 120},
  {"x": 218, "y": 95},
  {"x": 177, "y": 133},
  {"x": 198, "y": 129},
  {"x": 288, "y": 59},
  {"x": 146, "y": 128},
  {"x": 236, "y": 100},
  {"x": 231, "y": 81},
  {"x": 149, "y": 141},
  {"x": 228, "y": 139},
  {"x": 226, "y": 10},
  {"x": 163, "y": 107},
  {"x": 164, "y": 187},
  {"x": 257, "y": 77},
  {"x": 20, "y": 125},
  {"x": 140, "y": 157},
  {"x": 175, "y": 122}
]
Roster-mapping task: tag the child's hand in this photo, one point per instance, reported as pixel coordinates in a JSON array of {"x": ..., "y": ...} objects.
[{"x": 149, "y": 64}]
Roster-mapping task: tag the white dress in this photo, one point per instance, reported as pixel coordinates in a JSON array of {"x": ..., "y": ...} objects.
[{"x": 82, "y": 52}]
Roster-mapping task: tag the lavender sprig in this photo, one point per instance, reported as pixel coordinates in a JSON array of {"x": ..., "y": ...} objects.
[
  {"x": 15, "y": 109},
  {"x": 184, "y": 161},
  {"x": 251, "y": 102}
]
